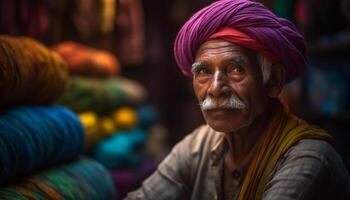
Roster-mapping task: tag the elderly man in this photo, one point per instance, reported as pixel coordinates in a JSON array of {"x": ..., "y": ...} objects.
[{"x": 240, "y": 55}]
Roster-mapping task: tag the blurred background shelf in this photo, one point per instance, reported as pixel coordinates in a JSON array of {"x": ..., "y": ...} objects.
[{"x": 119, "y": 57}]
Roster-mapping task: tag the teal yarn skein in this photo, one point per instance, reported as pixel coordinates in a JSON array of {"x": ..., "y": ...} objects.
[
  {"x": 148, "y": 116},
  {"x": 36, "y": 137},
  {"x": 120, "y": 150},
  {"x": 81, "y": 179}
]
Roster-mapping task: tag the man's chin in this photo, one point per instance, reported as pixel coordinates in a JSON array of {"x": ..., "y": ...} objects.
[{"x": 225, "y": 128}]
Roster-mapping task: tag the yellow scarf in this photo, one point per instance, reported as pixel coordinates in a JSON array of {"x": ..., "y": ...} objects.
[{"x": 284, "y": 131}]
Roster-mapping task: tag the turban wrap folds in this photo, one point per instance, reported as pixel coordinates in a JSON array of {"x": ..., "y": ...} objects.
[{"x": 279, "y": 36}]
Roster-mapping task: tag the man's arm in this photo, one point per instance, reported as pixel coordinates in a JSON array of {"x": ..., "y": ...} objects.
[{"x": 309, "y": 170}]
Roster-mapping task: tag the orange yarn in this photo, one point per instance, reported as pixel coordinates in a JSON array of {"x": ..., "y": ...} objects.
[
  {"x": 84, "y": 60},
  {"x": 30, "y": 73}
]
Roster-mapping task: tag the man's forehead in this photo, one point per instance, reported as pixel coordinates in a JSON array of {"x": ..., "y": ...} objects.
[{"x": 216, "y": 47}]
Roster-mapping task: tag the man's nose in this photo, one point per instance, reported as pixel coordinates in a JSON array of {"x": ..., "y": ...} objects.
[{"x": 219, "y": 86}]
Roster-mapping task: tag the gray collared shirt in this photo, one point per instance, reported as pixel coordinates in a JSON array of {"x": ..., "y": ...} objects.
[{"x": 194, "y": 170}]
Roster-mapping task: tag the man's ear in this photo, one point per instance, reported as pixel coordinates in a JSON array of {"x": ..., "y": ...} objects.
[{"x": 277, "y": 80}]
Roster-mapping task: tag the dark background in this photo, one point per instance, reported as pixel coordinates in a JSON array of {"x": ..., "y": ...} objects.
[{"x": 148, "y": 28}]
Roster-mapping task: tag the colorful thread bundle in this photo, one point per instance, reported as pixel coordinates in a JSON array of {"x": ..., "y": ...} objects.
[
  {"x": 120, "y": 150},
  {"x": 147, "y": 115},
  {"x": 36, "y": 137},
  {"x": 83, "y": 179},
  {"x": 101, "y": 96},
  {"x": 123, "y": 119},
  {"x": 30, "y": 73},
  {"x": 96, "y": 128},
  {"x": 83, "y": 60}
]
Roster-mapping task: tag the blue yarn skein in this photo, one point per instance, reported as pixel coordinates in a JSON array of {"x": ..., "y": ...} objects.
[
  {"x": 37, "y": 136},
  {"x": 81, "y": 179},
  {"x": 147, "y": 115},
  {"x": 119, "y": 150}
]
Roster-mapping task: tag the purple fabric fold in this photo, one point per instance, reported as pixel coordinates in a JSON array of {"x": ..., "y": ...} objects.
[{"x": 278, "y": 35}]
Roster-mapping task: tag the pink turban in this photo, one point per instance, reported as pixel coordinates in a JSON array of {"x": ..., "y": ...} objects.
[{"x": 245, "y": 23}]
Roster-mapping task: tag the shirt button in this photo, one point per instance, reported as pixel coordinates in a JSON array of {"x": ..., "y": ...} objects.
[{"x": 236, "y": 174}]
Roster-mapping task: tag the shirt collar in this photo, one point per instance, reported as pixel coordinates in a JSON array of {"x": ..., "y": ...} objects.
[{"x": 219, "y": 147}]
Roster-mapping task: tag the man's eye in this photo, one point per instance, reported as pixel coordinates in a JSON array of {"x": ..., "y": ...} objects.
[
  {"x": 202, "y": 71},
  {"x": 238, "y": 70}
]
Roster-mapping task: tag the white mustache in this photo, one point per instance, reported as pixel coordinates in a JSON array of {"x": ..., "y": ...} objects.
[{"x": 232, "y": 102}]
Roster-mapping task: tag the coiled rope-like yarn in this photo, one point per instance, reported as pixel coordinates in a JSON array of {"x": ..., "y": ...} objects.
[
  {"x": 87, "y": 61},
  {"x": 82, "y": 179},
  {"x": 120, "y": 150},
  {"x": 36, "y": 137},
  {"x": 29, "y": 73},
  {"x": 101, "y": 95}
]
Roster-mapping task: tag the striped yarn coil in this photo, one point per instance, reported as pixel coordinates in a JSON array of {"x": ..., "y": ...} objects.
[
  {"x": 101, "y": 95},
  {"x": 87, "y": 61},
  {"x": 30, "y": 73},
  {"x": 82, "y": 179},
  {"x": 36, "y": 137}
]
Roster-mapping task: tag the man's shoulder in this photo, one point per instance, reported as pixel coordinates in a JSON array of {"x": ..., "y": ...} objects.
[
  {"x": 314, "y": 145},
  {"x": 317, "y": 149},
  {"x": 310, "y": 166},
  {"x": 318, "y": 154},
  {"x": 312, "y": 141}
]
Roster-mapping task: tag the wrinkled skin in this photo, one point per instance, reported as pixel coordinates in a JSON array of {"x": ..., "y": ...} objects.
[{"x": 222, "y": 68}]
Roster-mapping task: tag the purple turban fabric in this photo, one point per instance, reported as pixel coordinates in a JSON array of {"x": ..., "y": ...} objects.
[{"x": 278, "y": 35}]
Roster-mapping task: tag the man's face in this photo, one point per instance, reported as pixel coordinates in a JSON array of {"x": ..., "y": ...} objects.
[{"x": 224, "y": 71}]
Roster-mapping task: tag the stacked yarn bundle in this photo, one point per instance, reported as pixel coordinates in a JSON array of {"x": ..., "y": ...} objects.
[
  {"x": 83, "y": 60},
  {"x": 117, "y": 141},
  {"x": 83, "y": 179},
  {"x": 34, "y": 138},
  {"x": 123, "y": 152},
  {"x": 101, "y": 95},
  {"x": 123, "y": 120},
  {"x": 101, "y": 127},
  {"x": 30, "y": 73},
  {"x": 96, "y": 128},
  {"x": 116, "y": 123},
  {"x": 120, "y": 150}
]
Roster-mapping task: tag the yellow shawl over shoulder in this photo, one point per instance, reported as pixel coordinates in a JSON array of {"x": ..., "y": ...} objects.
[{"x": 284, "y": 131}]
